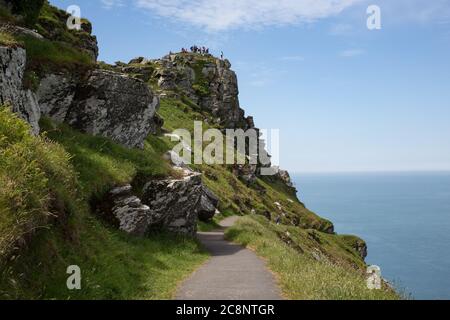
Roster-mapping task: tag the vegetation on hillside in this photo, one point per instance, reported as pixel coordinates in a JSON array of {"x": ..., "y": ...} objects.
[
  {"x": 309, "y": 265},
  {"x": 46, "y": 192},
  {"x": 44, "y": 56},
  {"x": 7, "y": 40},
  {"x": 28, "y": 9},
  {"x": 235, "y": 195},
  {"x": 48, "y": 183},
  {"x": 37, "y": 182}
]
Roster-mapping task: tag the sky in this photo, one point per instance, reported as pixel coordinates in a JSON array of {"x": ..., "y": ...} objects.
[{"x": 344, "y": 97}]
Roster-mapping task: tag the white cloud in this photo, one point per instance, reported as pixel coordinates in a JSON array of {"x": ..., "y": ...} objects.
[
  {"x": 351, "y": 53},
  {"x": 108, "y": 4},
  {"x": 218, "y": 15}
]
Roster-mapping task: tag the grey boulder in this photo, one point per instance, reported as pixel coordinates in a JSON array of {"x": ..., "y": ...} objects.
[{"x": 22, "y": 101}]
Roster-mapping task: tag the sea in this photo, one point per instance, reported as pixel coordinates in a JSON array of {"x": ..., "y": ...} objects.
[{"x": 403, "y": 217}]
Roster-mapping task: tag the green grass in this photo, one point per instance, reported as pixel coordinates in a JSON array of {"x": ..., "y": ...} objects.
[
  {"x": 113, "y": 264},
  {"x": 102, "y": 164},
  {"x": 37, "y": 182},
  {"x": 8, "y": 40},
  {"x": 45, "y": 193},
  {"x": 234, "y": 194},
  {"x": 44, "y": 56},
  {"x": 299, "y": 274}
]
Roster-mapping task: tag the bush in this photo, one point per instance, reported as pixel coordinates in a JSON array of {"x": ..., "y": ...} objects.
[
  {"x": 29, "y": 9},
  {"x": 36, "y": 181}
]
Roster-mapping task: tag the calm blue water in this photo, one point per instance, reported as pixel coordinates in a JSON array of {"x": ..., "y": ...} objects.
[{"x": 405, "y": 219}]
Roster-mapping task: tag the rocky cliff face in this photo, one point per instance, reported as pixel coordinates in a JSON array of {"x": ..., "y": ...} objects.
[
  {"x": 105, "y": 103},
  {"x": 206, "y": 81},
  {"x": 12, "y": 91}
]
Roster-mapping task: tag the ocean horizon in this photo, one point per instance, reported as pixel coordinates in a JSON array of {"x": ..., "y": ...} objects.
[{"x": 403, "y": 216}]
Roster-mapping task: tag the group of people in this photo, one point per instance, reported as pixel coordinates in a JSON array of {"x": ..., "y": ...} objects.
[
  {"x": 196, "y": 49},
  {"x": 201, "y": 50}
]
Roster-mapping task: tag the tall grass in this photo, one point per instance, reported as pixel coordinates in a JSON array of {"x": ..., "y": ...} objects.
[
  {"x": 300, "y": 275},
  {"x": 45, "y": 192},
  {"x": 46, "y": 56},
  {"x": 35, "y": 175}
]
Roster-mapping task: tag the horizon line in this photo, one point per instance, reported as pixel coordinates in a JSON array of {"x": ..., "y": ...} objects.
[{"x": 370, "y": 171}]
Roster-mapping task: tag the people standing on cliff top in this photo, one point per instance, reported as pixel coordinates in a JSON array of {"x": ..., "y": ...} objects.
[{"x": 221, "y": 55}]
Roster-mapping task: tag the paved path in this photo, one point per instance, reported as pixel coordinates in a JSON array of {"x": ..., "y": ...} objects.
[{"x": 232, "y": 273}]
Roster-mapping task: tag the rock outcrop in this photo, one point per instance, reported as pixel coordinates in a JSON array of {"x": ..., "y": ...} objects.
[
  {"x": 173, "y": 204},
  {"x": 177, "y": 204},
  {"x": 12, "y": 92},
  {"x": 114, "y": 105},
  {"x": 54, "y": 27},
  {"x": 206, "y": 81},
  {"x": 107, "y": 104},
  {"x": 128, "y": 211},
  {"x": 284, "y": 176}
]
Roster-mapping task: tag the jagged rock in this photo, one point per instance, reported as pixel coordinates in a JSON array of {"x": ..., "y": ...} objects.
[
  {"x": 107, "y": 104},
  {"x": 156, "y": 124},
  {"x": 131, "y": 214},
  {"x": 55, "y": 30},
  {"x": 358, "y": 244},
  {"x": 22, "y": 101},
  {"x": 55, "y": 95},
  {"x": 207, "y": 82},
  {"x": 114, "y": 105},
  {"x": 175, "y": 159},
  {"x": 285, "y": 177},
  {"x": 174, "y": 203},
  {"x": 177, "y": 204},
  {"x": 136, "y": 60},
  {"x": 20, "y": 31},
  {"x": 208, "y": 204},
  {"x": 246, "y": 172}
]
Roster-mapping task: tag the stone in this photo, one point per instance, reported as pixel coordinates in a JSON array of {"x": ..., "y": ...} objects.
[
  {"x": 55, "y": 30},
  {"x": 207, "y": 207},
  {"x": 115, "y": 106},
  {"x": 107, "y": 104},
  {"x": 286, "y": 178},
  {"x": 177, "y": 204},
  {"x": 175, "y": 159},
  {"x": 20, "y": 31},
  {"x": 127, "y": 210},
  {"x": 174, "y": 203},
  {"x": 22, "y": 101},
  {"x": 246, "y": 172},
  {"x": 55, "y": 94}
]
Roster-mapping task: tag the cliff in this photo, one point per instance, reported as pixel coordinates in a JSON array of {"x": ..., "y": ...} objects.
[{"x": 129, "y": 197}]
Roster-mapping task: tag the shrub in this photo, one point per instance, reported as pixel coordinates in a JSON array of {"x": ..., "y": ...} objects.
[{"x": 29, "y": 9}]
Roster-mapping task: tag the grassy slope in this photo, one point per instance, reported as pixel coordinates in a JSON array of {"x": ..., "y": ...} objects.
[
  {"x": 300, "y": 275},
  {"x": 236, "y": 196},
  {"x": 114, "y": 265}
]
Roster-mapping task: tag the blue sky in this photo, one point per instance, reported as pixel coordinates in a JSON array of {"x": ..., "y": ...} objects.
[{"x": 345, "y": 98}]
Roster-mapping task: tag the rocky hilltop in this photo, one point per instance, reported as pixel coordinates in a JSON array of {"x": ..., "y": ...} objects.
[{"x": 113, "y": 121}]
